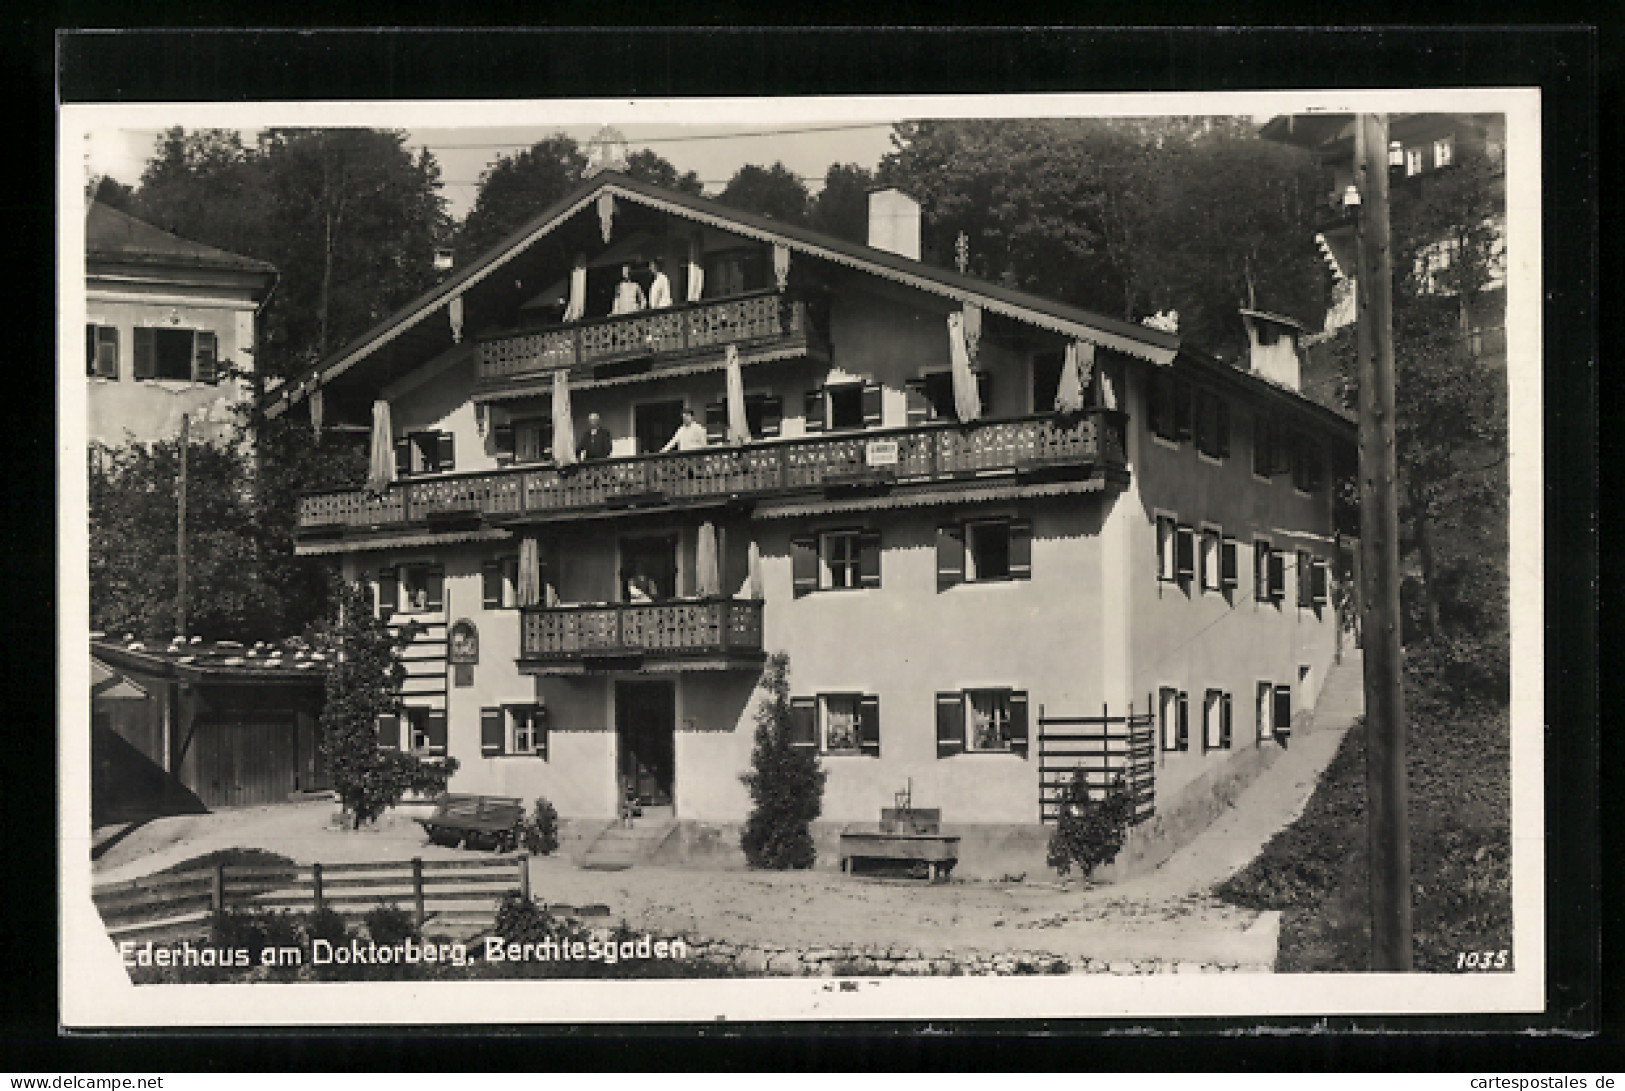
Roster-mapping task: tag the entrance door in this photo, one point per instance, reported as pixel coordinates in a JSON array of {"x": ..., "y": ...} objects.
[
  {"x": 654, "y": 423},
  {"x": 645, "y": 719}
]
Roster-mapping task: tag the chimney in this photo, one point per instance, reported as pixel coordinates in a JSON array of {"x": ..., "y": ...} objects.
[
  {"x": 1272, "y": 347},
  {"x": 894, "y": 223}
]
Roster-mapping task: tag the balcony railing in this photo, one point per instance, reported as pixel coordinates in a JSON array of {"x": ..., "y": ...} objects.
[
  {"x": 745, "y": 320},
  {"x": 694, "y": 628},
  {"x": 878, "y": 458}
]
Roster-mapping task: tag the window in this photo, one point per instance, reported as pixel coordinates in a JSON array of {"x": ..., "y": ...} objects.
[
  {"x": 101, "y": 352},
  {"x": 425, "y": 453},
  {"x": 1304, "y": 577},
  {"x": 1265, "y": 710},
  {"x": 1173, "y": 713},
  {"x": 1046, "y": 380},
  {"x": 499, "y": 584},
  {"x": 1166, "y": 528},
  {"x": 1184, "y": 554},
  {"x": 1306, "y": 466},
  {"x": 835, "y": 560},
  {"x": 1269, "y": 572},
  {"x": 931, "y": 396},
  {"x": 1211, "y": 543},
  {"x": 421, "y": 731},
  {"x": 386, "y": 593},
  {"x": 1263, "y": 446},
  {"x": 1413, "y": 161},
  {"x": 1319, "y": 583},
  {"x": 1216, "y": 720},
  {"x": 422, "y": 589},
  {"x": 519, "y": 730},
  {"x": 837, "y": 723},
  {"x": 1396, "y": 154},
  {"x": 1171, "y": 408},
  {"x": 1228, "y": 564},
  {"x": 763, "y": 412},
  {"x": 1274, "y": 711},
  {"x": 526, "y": 440},
  {"x": 183, "y": 355},
  {"x": 843, "y": 406},
  {"x": 986, "y": 721},
  {"x": 984, "y": 551},
  {"x": 1212, "y": 426},
  {"x": 1442, "y": 152}
]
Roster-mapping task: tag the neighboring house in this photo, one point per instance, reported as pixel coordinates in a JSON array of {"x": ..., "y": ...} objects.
[
  {"x": 165, "y": 319},
  {"x": 185, "y": 727},
  {"x": 949, "y": 594}
]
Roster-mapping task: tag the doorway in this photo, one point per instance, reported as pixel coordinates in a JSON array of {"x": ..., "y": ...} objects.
[
  {"x": 654, "y": 423},
  {"x": 656, "y": 559},
  {"x": 645, "y": 723}
]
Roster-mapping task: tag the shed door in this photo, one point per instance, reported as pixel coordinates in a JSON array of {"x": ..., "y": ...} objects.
[{"x": 243, "y": 763}]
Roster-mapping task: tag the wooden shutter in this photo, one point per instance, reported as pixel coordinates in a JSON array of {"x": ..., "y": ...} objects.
[
  {"x": 918, "y": 405},
  {"x": 1277, "y": 571},
  {"x": 491, "y": 585},
  {"x": 1168, "y": 717},
  {"x": 869, "y": 559},
  {"x": 1183, "y": 396},
  {"x": 950, "y": 556},
  {"x": 1165, "y": 548},
  {"x": 1228, "y": 576},
  {"x": 1018, "y": 722},
  {"x": 436, "y": 730},
  {"x": 445, "y": 452},
  {"x": 104, "y": 351},
  {"x": 502, "y": 440},
  {"x": 1222, "y": 427},
  {"x": 1282, "y": 713},
  {"x": 538, "y": 731},
  {"x": 803, "y": 565},
  {"x": 873, "y": 405},
  {"x": 1211, "y": 549},
  {"x": 803, "y": 721},
  {"x": 1183, "y": 738},
  {"x": 493, "y": 732},
  {"x": 950, "y": 724},
  {"x": 1225, "y": 722},
  {"x": 389, "y": 732},
  {"x": 1266, "y": 693},
  {"x": 434, "y": 584},
  {"x": 1211, "y": 701},
  {"x": 814, "y": 410},
  {"x": 869, "y": 725},
  {"x": 1303, "y": 578},
  {"x": 1021, "y": 549},
  {"x": 92, "y": 360},
  {"x": 146, "y": 352},
  {"x": 403, "y": 457},
  {"x": 1184, "y": 553},
  {"x": 389, "y": 592},
  {"x": 205, "y": 357},
  {"x": 1319, "y": 580},
  {"x": 716, "y": 422}
]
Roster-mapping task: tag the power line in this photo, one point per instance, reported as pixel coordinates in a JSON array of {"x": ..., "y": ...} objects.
[{"x": 677, "y": 139}]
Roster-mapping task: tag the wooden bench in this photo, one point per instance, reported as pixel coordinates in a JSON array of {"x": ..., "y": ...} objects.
[
  {"x": 938, "y": 852},
  {"x": 470, "y": 820}
]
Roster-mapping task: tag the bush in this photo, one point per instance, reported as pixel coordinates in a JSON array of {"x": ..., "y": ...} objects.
[
  {"x": 540, "y": 833},
  {"x": 1457, "y": 671},
  {"x": 1089, "y": 832},
  {"x": 390, "y": 924},
  {"x": 785, "y": 783},
  {"x": 327, "y": 924}
]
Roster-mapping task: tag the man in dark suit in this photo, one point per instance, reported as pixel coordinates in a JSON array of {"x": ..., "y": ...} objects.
[{"x": 596, "y": 441}]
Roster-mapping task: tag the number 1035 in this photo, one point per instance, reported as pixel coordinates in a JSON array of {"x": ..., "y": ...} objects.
[{"x": 1481, "y": 960}]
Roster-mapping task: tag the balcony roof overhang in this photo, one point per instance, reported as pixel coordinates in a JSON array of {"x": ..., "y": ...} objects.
[
  {"x": 371, "y": 540},
  {"x": 970, "y": 493}
]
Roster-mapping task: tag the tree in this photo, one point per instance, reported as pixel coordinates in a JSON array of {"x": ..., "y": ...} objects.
[
  {"x": 785, "y": 783},
  {"x": 842, "y": 206},
  {"x": 517, "y": 187},
  {"x": 775, "y": 192},
  {"x": 206, "y": 185},
  {"x": 107, "y": 190},
  {"x": 364, "y": 683},
  {"x": 648, "y": 166}
]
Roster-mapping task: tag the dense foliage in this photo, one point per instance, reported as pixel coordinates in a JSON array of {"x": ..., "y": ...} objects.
[
  {"x": 842, "y": 206},
  {"x": 775, "y": 192},
  {"x": 540, "y": 832},
  {"x": 1089, "y": 832},
  {"x": 785, "y": 782}
]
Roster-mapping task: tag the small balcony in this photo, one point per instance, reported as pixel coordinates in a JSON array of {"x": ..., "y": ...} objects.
[
  {"x": 1014, "y": 450},
  {"x": 695, "y": 634},
  {"x": 756, "y": 323}
]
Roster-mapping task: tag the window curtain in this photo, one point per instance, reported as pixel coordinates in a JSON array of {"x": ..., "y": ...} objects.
[
  {"x": 738, "y": 422},
  {"x": 577, "y": 306},
  {"x": 707, "y": 576},
  {"x": 606, "y": 215},
  {"x": 564, "y": 429},
  {"x": 781, "y": 265},
  {"x": 381, "y": 457},
  {"x": 753, "y": 577},
  {"x": 454, "y": 313},
  {"x": 696, "y": 269},
  {"x": 529, "y": 591},
  {"x": 1076, "y": 373},
  {"x": 316, "y": 410},
  {"x": 973, "y": 331},
  {"x": 967, "y": 402}
]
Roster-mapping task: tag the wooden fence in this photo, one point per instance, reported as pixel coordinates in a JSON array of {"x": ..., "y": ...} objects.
[
  {"x": 1103, "y": 748},
  {"x": 445, "y": 891}
]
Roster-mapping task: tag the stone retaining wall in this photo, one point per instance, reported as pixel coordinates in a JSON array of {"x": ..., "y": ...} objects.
[{"x": 876, "y": 961}]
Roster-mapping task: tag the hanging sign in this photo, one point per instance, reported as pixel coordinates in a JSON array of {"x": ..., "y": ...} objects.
[{"x": 463, "y": 644}]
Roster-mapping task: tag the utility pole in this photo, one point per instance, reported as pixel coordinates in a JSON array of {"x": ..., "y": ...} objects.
[
  {"x": 1389, "y": 827},
  {"x": 180, "y": 531}
]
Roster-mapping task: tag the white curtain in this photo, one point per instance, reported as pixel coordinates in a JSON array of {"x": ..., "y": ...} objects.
[
  {"x": 578, "y": 295},
  {"x": 381, "y": 460},
  {"x": 606, "y": 215},
  {"x": 1075, "y": 376},
  {"x": 967, "y": 402},
  {"x": 753, "y": 575},
  {"x": 973, "y": 330},
  {"x": 781, "y": 265},
  {"x": 707, "y": 574},
  {"x": 316, "y": 409},
  {"x": 696, "y": 270},
  {"x": 564, "y": 428},
  {"x": 529, "y": 591},
  {"x": 454, "y": 312},
  {"x": 738, "y": 423}
]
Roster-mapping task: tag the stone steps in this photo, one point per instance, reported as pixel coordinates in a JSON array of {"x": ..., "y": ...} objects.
[{"x": 620, "y": 847}]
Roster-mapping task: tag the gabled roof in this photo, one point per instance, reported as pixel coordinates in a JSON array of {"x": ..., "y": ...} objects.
[
  {"x": 223, "y": 661},
  {"x": 1149, "y": 344},
  {"x": 111, "y": 235}
]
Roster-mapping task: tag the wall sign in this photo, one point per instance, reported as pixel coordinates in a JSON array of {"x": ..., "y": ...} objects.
[
  {"x": 464, "y": 643},
  {"x": 880, "y": 452}
]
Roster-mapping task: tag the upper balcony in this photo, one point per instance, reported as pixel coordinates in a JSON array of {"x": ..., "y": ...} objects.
[
  {"x": 714, "y": 633},
  {"x": 756, "y": 323},
  {"x": 875, "y": 459}
]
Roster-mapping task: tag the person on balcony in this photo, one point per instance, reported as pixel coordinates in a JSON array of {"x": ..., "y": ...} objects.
[
  {"x": 641, "y": 588},
  {"x": 690, "y": 435},
  {"x": 660, "y": 287},
  {"x": 596, "y": 442},
  {"x": 629, "y": 297}
]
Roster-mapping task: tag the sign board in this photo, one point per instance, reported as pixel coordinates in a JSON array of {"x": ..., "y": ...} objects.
[
  {"x": 880, "y": 452},
  {"x": 463, "y": 644}
]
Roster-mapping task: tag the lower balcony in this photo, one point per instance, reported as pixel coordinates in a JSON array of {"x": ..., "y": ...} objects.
[{"x": 686, "y": 634}]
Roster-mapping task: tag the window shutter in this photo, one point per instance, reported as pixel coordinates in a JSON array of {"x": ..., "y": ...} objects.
[
  {"x": 92, "y": 361},
  {"x": 1261, "y": 572},
  {"x": 1018, "y": 722},
  {"x": 1165, "y": 548},
  {"x": 538, "y": 731},
  {"x": 873, "y": 405},
  {"x": 435, "y": 585},
  {"x": 918, "y": 405},
  {"x": 1159, "y": 406},
  {"x": 389, "y": 732},
  {"x": 869, "y": 559},
  {"x": 803, "y": 565},
  {"x": 437, "y": 732},
  {"x": 1277, "y": 575},
  {"x": 1184, "y": 553},
  {"x": 389, "y": 592},
  {"x": 814, "y": 408},
  {"x": 950, "y": 725},
  {"x": 1282, "y": 444},
  {"x": 1203, "y": 422},
  {"x": 1184, "y": 730},
  {"x": 772, "y": 415},
  {"x": 107, "y": 352},
  {"x": 1222, "y": 427},
  {"x": 493, "y": 732},
  {"x": 803, "y": 721},
  {"x": 1228, "y": 576},
  {"x": 1183, "y": 399},
  {"x": 1282, "y": 715},
  {"x": 869, "y": 725},
  {"x": 502, "y": 441},
  {"x": 1168, "y": 717},
  {"x": 1021, "y": 550},
  {"x": 1320, "y": 578},
  {"x": 1212, "y": 578},
  {"x": 716, "y": 422},
  {"x": 146, "y": 352},
  {"x": 445, "y": 452},
  {"x": 950, "y": 556},
  {"x": 205, "y": 357},
  {"x": 1303, "y": 578},
  {"x": 403, "y": 457},
  {"x": 491, "y": 585},
  {"x": 1224, "y": 722}
]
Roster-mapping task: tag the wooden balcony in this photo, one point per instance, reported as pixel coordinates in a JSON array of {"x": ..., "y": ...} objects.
[
  {"x": 1018, "y": 449},
  {"x": 716, "y": 633},
  {"x": 756, "y": 322}
]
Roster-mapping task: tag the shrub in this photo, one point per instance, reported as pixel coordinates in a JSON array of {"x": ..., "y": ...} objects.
[
  {"x": 540, "y": 833},
  {"x": 521, "y": 920},
  {"x": 1089, "y": 832},
  {"x": 390, "y": 924},
  {"x": 327, "y": 924},
  {"x": 785, "y": 783}
]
